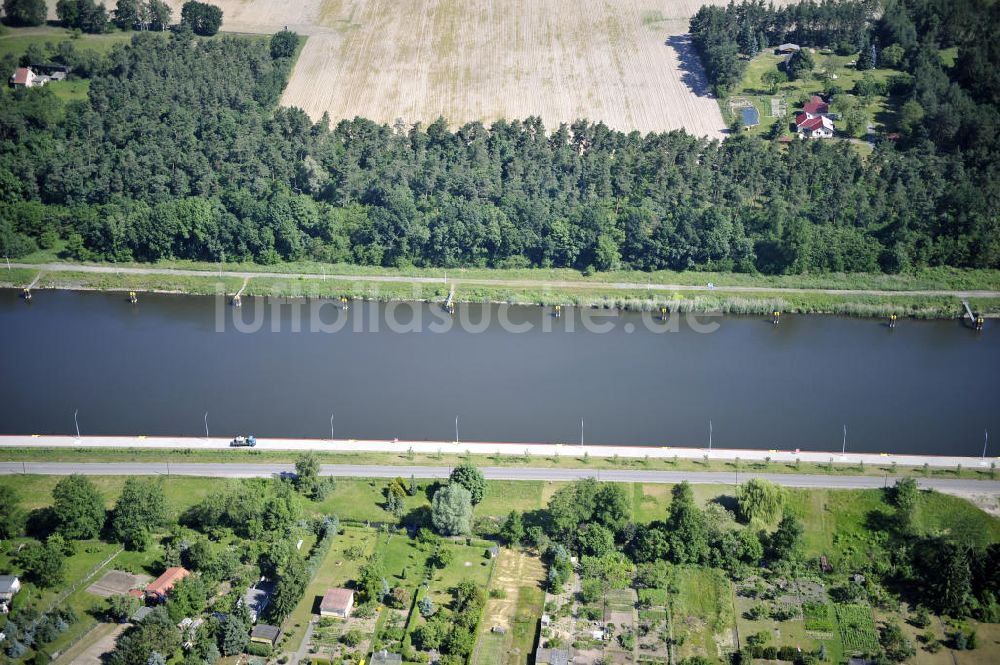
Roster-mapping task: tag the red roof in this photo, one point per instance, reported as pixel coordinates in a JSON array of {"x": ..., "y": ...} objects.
[
  {"x": 162, "y": 585},
  {"x": 136, "y": 593},
  {"x": 21, "y": 76},
  {"x": 816, "y": 106},
  {"x": 809, "y": 123},
  {"x": 336, "y": 599}
]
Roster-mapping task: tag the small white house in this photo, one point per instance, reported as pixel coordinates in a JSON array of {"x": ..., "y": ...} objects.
[
  {"x": 25, "y": 77},
  {"x": 9, "y": 586}
]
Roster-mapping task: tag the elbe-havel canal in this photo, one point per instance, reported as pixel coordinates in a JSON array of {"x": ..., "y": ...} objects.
[{"x": 157, "y": 367}]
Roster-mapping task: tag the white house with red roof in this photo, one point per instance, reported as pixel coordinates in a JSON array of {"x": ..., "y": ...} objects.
[
  {"x": 813, "y": 121},
  {"x": 25, "y": 77}
]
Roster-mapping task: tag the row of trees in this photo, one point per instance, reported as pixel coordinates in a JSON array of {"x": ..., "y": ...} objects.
[{"x": 93, "y": 17}]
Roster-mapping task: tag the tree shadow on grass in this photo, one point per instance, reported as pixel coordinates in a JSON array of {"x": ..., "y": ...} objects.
[
  {"x": 727, "y": 502},
  {"x": 692, "y": 73}
]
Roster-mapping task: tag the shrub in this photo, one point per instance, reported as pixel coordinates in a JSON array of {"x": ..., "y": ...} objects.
[
  {"x": 258, "y": 649},
  {"x": 352, "y": 638},
  {"x": 788, "y": 653}
]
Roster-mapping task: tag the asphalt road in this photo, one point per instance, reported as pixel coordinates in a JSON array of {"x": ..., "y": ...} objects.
[
  {"x": 630, "y": 286},
  {"x": 245, "y": 470}
]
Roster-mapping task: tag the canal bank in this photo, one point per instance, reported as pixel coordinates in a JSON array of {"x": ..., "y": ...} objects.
[{"x": 627, "y": 294}]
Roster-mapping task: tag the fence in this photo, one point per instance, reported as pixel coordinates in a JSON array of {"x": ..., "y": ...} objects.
[{"x": 65, "y": 594}]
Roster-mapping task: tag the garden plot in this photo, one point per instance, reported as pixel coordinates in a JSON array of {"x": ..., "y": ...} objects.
[
  {"x": 117, "y": 582},
  {"x": 794, "y": 613},
  {"x": 857, "y": 628},
  {"x": 515, "y": 586},
  {"x": 652, "y": 631},
  {"x": 620, "y": 625},
  {"x": 702, "y": 614}
]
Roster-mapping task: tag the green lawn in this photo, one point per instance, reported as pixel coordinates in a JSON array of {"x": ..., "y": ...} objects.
[
  {"x": 70, "y": 91},
  {"x": 836, "y": 521},
  {"x": 491, "y": 649},
  {"x": 181, "y": 492},
  {"x": 17, "y": 40},
  {"x": 530, "y": 600},
  {"x": 470, "y": 563}
]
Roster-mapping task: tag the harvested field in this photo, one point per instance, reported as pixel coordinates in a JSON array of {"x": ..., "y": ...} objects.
[
  {"x": 628, "y": 63},
  {"x": 624, "y": 63}
]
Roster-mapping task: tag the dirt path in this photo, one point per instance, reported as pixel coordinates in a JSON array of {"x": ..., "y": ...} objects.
[
  {"x": 91, "y": 649},
  {"x": 509, "y": 283}
]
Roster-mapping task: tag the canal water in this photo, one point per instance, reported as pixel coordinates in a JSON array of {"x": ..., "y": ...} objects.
[{"x": 282, "y": 368}]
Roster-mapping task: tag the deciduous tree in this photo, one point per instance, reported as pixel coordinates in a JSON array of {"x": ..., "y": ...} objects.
[
  {"x": 203, "y": 18},
  {"x": 78, "y": 508},
  {"x": 760, "y": 500},
  {"x": 471, "y": 478},
  {"x": 451, "y": 510},
  {"x": 25, "y": 12}
]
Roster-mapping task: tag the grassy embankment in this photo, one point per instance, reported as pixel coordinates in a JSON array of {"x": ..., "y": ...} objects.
[
  {"x": 449, "y": 459},
  {"x": 559, "y": 286}
]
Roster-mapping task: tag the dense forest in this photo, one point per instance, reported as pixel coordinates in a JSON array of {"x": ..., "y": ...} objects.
[{"x": 180, "y": 150}]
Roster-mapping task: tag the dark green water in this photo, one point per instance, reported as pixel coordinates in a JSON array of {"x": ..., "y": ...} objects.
[{"x": 156, "y": 368}]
